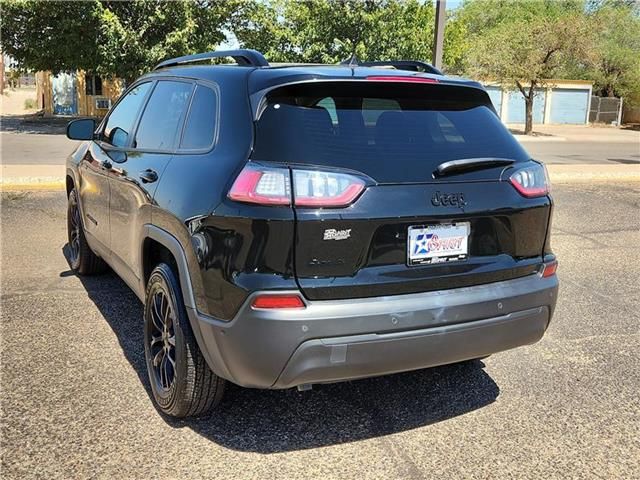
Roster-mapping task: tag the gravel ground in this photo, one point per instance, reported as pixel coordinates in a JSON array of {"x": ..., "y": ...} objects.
[{"x": 75, "y": 397}]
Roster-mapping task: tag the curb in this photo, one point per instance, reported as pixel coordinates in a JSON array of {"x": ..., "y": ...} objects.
[
  {"x": 32, "y": 177},
  {"x": 593, "y": 172},
  {"x": 534, "y": 139},
  {"x": 42, "y": 183}
]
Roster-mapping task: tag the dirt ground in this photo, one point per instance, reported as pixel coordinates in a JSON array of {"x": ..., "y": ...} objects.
[{"x": 13, "y": 100}]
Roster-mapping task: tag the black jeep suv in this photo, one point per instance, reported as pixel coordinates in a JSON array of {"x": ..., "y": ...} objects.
[{"x": 287, "y": 225}]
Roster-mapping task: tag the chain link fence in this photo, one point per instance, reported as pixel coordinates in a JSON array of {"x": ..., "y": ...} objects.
[{"x": 605, "y": 110}]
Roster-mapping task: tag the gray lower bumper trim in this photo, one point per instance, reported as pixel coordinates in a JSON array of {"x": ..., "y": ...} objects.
[
  {"x": 280, "y": 348},
  {"x": 344, "y": 358}
]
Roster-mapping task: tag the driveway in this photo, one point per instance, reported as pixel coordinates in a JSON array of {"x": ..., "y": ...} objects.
[{"x": 75, "y": 395}]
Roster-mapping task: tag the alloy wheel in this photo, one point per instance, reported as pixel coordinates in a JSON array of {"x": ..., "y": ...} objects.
[
  {"x": 162, "y": 340},
  {"x": 74, "y": 231}
]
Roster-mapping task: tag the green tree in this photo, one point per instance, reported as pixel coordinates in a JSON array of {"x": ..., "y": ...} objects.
[
  {"x": 526, "y": 47},
  {"x": 111, "y": 38},
  {"x": 54, "y": 36},
  {"x": 329, "y": 31},
  {"x": 614, "y": 63}
]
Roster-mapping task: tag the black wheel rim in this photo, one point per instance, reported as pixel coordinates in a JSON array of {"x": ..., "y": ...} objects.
[
  {"x": 162, "y": 340},
  {"x": 74, "y": 231}
]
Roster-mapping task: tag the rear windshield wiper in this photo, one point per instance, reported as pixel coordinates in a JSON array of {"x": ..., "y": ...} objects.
[{"x": 464, "y": 164}]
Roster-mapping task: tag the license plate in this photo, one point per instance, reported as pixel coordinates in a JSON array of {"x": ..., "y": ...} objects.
[{"x": 438, "y": 243}]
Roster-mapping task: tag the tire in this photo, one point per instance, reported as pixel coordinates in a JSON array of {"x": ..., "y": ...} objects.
[
  {"x": 81, "y": 257},
  {"x": 182, "y": 383}
]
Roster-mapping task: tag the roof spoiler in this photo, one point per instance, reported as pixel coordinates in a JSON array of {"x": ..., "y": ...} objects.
[
  {"x": 410, "y": 65},
  {"x": 243, "y": 57}
]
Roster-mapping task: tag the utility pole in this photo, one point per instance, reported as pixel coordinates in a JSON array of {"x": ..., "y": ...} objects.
[
  {"x": 438, "y": 40},
  {"x": 1, "y": 72}
]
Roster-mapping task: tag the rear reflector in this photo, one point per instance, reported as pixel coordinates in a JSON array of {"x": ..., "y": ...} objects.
[
  {"x": 549, "y": 269},
  {"x": 278, "y": 301},
  {"x": 398, "y": 78},
  {"x": 531, "y": 181}
]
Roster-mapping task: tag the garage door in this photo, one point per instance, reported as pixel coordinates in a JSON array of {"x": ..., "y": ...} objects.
[
  {"x": 496, "y": 97},
  {"x": 569, "y": 105},
  {"x": 516, "y": 111}
]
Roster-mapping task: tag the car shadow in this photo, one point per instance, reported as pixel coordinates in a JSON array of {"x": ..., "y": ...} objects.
[{"x": 271, "y": 421}]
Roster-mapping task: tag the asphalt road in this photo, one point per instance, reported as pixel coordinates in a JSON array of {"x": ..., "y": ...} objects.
[
  {"x": 35, "y": 149},
  {"x": 75, "y": 397}
]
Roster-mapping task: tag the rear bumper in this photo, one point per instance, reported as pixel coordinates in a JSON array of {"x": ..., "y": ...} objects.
[
  {"x": 357, "y": 356},
  {"x": 346, "y": 339}
]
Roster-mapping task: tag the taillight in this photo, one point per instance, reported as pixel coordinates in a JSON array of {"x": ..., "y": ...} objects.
[
  {"x": 262, "y": 185},
  {"x": 311, "y": 188},
  {"x": 278, "y": 301},
  {"x": 531, "y": 181},
  {"x": 549, "y": 269}
]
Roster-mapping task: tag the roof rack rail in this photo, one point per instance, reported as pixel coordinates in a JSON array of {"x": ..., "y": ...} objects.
[
  {"x": 411, "y": 65},
  {"x": 244, "y": 57}
]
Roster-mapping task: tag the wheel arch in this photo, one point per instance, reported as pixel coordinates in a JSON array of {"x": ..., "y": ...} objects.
[
  {"x": 158, "y": 245},
  {"x": 154, "y": 253},
  {"x": 161, "y": 243},
  {"x": 71, "y": 179},
  {"x": 70, "y": 184}
]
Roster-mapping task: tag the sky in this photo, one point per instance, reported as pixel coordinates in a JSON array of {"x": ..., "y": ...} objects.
[{"x": 453, "y": 4}]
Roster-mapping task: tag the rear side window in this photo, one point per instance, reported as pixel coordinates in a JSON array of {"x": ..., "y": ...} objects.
[
  {"x": 162, "y": 118},
  {"x": 391, "y": 132},
  {"x": 122, "y": 117},
  {"x": 200, "y": 129}
]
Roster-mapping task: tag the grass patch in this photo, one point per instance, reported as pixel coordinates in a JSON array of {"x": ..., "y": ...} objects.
[{"x": 29, "y": 104}]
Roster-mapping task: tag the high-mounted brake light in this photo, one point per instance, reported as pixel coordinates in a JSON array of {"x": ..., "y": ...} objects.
[
  {"x": 398, "y": 78},
  {"x": 311, "y": 188},
  {"x": 531, "y": 181},
  {"x": 278, "y": 301}
]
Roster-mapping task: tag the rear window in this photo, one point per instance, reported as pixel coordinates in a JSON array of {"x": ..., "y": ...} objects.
[{"x": 391, "y": 132}]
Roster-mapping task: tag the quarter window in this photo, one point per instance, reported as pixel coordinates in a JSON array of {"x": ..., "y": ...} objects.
[
  {"x": 201, "y": 124},
  {"x": 122, "y": 117},
  {"x": 163, "y": 115}
]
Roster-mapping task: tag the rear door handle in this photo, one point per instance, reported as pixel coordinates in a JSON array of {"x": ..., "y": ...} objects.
[{"x": 148, "y": 176}]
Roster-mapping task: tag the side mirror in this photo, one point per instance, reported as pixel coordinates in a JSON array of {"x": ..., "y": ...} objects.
[
  {"x": 118, "y": 137},
  {"x": 81, "y": 129}
]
